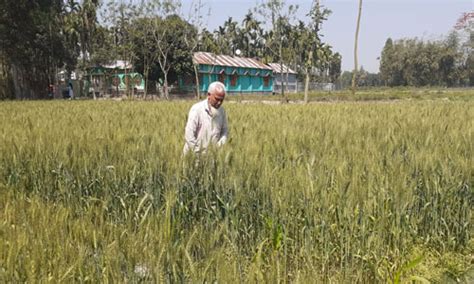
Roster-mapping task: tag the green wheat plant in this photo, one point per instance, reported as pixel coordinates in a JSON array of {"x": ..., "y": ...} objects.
[{"x": 99, "y": 191}]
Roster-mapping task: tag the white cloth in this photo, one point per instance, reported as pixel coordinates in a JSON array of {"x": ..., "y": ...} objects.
[{"x": 202, "y": 128}]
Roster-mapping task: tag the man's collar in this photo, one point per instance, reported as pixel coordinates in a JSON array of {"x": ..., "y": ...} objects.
[{"x": 207, "y": 107}]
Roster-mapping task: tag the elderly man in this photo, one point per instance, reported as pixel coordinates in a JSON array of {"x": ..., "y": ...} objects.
[{"x": 207, "y": 121}]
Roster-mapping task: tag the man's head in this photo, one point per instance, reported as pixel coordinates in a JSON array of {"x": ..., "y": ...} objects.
[{"x": 216, "y": 94}]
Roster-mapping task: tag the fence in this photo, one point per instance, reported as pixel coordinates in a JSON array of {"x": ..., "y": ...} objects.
[{"x": 313, "y": 86}]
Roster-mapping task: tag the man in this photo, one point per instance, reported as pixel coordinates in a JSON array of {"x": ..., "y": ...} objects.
[
  {"x": 207, "y": 121},
  {"x": 70, "y": 91}
]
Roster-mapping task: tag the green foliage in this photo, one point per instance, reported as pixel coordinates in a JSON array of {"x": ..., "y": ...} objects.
[
  {"x": 252, "y": 36},
  {"x": 283, "y": 39},
  {"x": 413, "y": 62},
  {"x": 103, "y": 46},
  {"x": 33, "y": 45},
  {"x": 155, "y": 38},
  {"x": 6, "y": 84},
  {"x": 207, "y": 42},
  {"x": 57, "y": 35},
  {"x": 99, "y": 191},
  {"x": 407, "y": 267},
  {"x": 364, "y": 79},
  {"x": 174, "y": 34},
  {"x": 369, "y": 94},
  {"x": 180, "y": 56},
  {"x": 118, "y": 19},
  {"x": 228, "y": 37}
]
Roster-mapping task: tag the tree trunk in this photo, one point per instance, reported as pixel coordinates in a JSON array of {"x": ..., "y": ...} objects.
[
  {"x": 125, "y": 76},
  {"x": 198, "y": 92},
  {"x": 283, "y": 94},
  {"x": 145, "y": 92},
  {"x": 354, "y": 75},
  {"x": 93, "y": 86},
  {"x": 117, "y": 91},
  {"x": 306, "y": 87},
  {"x": 6, "y": 82},
  {"x": 165, "y": 85},
  {"x": 17, "y": 88},
  {"x": 308, "y": 69}
]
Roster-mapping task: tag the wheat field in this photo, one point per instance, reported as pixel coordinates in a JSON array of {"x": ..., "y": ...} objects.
[{"x": 98, "y": 191}]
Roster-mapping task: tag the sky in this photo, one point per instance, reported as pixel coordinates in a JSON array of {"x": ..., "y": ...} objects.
[{"x": 381, "y": 19}]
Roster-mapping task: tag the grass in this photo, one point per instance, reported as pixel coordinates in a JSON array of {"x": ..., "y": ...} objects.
[
  {"x": 99, "y": 191},
  {"x": 370, "y": 94}
]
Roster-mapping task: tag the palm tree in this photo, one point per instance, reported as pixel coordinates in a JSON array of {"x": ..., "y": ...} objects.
[
  {"x": 251, "y": 35},
  {"x": 70, "y": 23},
  {"x": 232, "y": 32},
  {"x": 222, "y": 44},
  {"x": 88, "y": 22}
]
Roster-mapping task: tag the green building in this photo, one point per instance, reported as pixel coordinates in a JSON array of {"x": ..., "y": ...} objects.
[
  {"x": 113, "y": 79},
  {"x": 239, "y": 74}
]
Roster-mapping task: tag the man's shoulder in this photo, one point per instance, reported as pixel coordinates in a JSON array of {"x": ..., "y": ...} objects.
[
  {"x": 222, "y": 110},
  {"x": 199, "y": 105}
]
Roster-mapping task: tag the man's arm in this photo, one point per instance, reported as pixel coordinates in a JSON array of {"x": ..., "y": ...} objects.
[
  {"x": 224, "y": 131},
  {"x": 191, "y": 130}
]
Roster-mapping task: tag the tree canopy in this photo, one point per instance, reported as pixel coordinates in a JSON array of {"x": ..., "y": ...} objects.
[
  {"x": 39, "y": 38},
  {"x": 414, "y": 62}
]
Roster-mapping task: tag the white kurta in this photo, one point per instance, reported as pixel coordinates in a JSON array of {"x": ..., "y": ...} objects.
[{"x": 203, "y": 129}]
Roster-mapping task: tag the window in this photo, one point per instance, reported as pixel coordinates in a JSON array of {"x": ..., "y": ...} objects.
[
  {"x": 137, "y": 80},
  {"x": 116, "y": 81},
  {"x": 222, "y": 78},
  {"x": 233, "y": 80},
  {"x": 128, "y": 80},
  {"x": 188, "y": 80},
  {"x": 266, "y": 81}
]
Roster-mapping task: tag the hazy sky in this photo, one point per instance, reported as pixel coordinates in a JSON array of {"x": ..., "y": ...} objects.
[{"x": 426, "y": 19}]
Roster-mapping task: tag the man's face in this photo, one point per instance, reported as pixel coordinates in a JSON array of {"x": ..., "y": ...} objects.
[{"x": 216, "y": 98}]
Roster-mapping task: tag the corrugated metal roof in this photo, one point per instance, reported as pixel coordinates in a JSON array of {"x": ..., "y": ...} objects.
[
  {"x": 225, "y": 60},
  {"x": 277, "y": 69},
  {"x": 120, "y": 64}
]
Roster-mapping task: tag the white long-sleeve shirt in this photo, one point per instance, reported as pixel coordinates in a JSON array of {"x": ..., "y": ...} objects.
[{"x": 202, "y": 128}]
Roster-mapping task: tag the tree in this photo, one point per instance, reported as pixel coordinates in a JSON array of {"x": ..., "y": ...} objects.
[
  {"x": 274, "y": 11},
  {"x": 88, "y": 20},
  {"x": 207, "y": 42},
  {"x": 32, "y": 45},
  {"x": 335, "y": 67},
  {"x": 142, "y": 36},
  {"x": 465, "y": 25},
  {"x": 181, "y": 56},
  {"x": 449, "y": 60},
  {"x": 192, "y": 37},
  {"x": 319, "y": 53},
  {"x": 173, "y": 55},
  {"x": 146, "y": 55},
  {"x": 164, "y": 52},
  {"x": 470, "y": 69},
  {"x": 413, "y": 62},
  {"x": 252, "y": 35},
  {"x": 346, "y": 79},
  {"x": 119, "y": 17},
  {"x": 354, "y": 76},
  {"x": 71, "y": 28},
  {"x": 102, "y": 44},
  {"x": 165, "y": 25},
  {"x": 228, "y": 37},
  {"x": 386, "y": 62}
]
